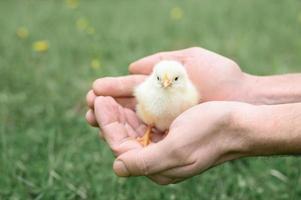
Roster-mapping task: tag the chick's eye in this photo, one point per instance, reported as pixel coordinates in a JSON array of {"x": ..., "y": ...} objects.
[
  {"x": 176, "y": 78},
  {"x": 158, "y": 78}
]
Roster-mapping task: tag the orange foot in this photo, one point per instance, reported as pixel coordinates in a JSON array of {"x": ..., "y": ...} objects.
[{"x": 146, "y": 138}]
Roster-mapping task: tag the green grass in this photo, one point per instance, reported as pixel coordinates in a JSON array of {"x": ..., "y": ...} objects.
[{"x": 47, "y": 151}]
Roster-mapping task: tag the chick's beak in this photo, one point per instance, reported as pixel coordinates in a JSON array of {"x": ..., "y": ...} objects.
[{"x": 166, "y": 82}]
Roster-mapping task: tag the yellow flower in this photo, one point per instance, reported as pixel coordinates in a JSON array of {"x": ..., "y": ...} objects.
[
  {"x": 82, "y": 24},
  {"x": 72, "y": 3},
  {"x": 22, "y": 32},
  {"x": 176, "y": 13},
  {"x": 40, "y": 46},
  {"x": 95, "y": 63}
]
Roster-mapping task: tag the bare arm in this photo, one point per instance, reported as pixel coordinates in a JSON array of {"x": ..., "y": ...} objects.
[
  {"x": 217, "y": 78},
  {"x": 202, "y": 137},
  {"x": 205, "y": 135},
  {"x": 274, "y": 130},
  {"x": 272, "y": 90},
  {"x": 229, "y": 131}
]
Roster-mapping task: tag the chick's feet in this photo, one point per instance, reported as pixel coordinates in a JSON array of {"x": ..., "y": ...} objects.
[{"x": 146, "y": 138}]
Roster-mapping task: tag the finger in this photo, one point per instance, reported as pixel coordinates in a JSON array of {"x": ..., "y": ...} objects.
[
  {"x": 107, "y": 113},
  {"x": 141, "y": 130},
  {"x": 117, "y": 86},
  {"x": 127, "y": 102},
  {"x": 90, "y": 99},
  {"x": 90, "y": 117},
  {"x": 145, "y": 161},
  {"x": 131, "y": 132},
  {"x": 132, "y": 119},
  {"x": 117, "y": 114},
  {"x": 145, "y": 65},
  {"x": 113, "y": 126},
  {"x": 125, "y": 146}
]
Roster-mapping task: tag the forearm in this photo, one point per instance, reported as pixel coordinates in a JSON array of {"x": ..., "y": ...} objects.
[
  {"x": 274, "y": 130},
  {"x": 272, "y": 90}
]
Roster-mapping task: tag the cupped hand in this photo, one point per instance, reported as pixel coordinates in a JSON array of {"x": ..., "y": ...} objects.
[
  {"x": 217, "y": 78},
  {"x": 120, "y": 126},
  {"x": 202, "y": 137}
]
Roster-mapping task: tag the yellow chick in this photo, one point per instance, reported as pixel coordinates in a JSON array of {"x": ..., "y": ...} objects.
[{"x": 164, "y": 95}]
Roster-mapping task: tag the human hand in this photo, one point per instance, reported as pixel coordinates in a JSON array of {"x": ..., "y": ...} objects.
[
  {"x": 215, "y": 76},
  {"x": 200, "y": 138},
  {"x": 120, "y": 126},
  {"x": 256, "y": 138}
]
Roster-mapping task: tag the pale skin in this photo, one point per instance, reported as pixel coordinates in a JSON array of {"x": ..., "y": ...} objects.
[{"x": 208, "y": 134}]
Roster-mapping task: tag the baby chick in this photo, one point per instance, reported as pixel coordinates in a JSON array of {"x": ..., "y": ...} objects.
[{"x": 164, "y": 95}]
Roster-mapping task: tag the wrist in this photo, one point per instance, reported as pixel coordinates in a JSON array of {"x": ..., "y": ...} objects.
[
  {"x": 252, "y": 92},
  {"x": 271, "y": 130},
  {"x": 236, "y": 138},
  {"x": 271, "y": 90},
  {"x": 259, "y": 91},
  {"x": 246, "y": 90},
  {"x": 240, "y": 129}
]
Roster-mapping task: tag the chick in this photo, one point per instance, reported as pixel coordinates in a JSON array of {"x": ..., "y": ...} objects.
[{"x": 164, "y": 95}]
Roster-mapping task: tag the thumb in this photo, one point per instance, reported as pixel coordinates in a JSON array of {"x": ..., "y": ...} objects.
[{"x": 145, "y": 161}]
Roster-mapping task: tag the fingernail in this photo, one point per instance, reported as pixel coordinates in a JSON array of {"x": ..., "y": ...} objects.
[{"x": 120, "y": 168}]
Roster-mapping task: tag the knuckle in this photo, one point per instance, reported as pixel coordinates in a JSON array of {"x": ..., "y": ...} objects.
[
  {"x": 194, "y": 49},
  {"x": 231, "y": 64}
]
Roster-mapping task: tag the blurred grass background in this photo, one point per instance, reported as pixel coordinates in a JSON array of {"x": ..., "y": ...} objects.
[{"x": 51, "y": 51}]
